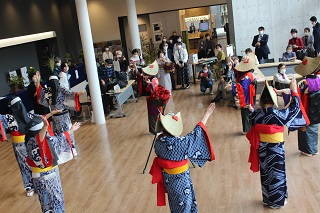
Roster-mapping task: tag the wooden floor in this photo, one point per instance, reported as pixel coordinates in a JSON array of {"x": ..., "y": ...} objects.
[{"x": 107, "y": 174}]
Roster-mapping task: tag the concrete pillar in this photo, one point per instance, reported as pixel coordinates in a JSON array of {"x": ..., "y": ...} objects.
[
  {"x": 133, "y": 24},
  {"x": 90, "y": 60}
]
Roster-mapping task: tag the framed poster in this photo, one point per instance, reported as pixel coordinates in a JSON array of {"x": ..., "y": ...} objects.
[
  {"x": 157, "y": 37},
  {"x": 157, "y": 27}
]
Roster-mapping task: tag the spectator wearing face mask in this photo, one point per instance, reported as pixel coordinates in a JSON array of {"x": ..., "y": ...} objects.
[
  {"x": 168, "y": 54},
  {"x": 106, "y": 71},
  {"x": 209, "y": 46},
  {"x": 316, "y": 34},
  {"x": 63, "y": 76},
  {"x": 57, "y": 66},
  {"x": 308, "y": 41},
  {"x": 164, "y": 40},
  {"x": 107, "y": 54},
  {"x": 289, "y": 55},
  {"x": 175, "y": 46},
  {"x": 170, "y": 45},
  {"x": 260, "y": 42},
  {"x": 174, "y": 37},
  {"x": 295, "y": 41},
  {"x": 206, "y": 81},
  {"x": 33, "y": 89},
  {"x": 280, "y": 76},
  {"x": 124, "y": 64},
  {"x": 181, "y": 60},
  {"x": 281, "y": 81}
]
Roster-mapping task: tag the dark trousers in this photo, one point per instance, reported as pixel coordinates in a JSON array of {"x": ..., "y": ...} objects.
[
  {"x": 260, "y": 54},
  {"x": 245, "y": 119},
  {"x": 173, "y": 81},
  {"x": 183, "y": 75}
]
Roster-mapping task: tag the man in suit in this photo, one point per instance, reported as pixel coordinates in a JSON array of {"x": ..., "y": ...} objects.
[
  {"x": 316, "y": 34},
  {"x": 260, "y": 42}
]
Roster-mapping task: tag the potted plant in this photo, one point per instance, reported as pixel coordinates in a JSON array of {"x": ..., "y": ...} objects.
[
  {"x": 15, "y": 82},
  {"x": 81, "y": 55},
  {"x": 51, "y": 63},
  {"x": 149, "y": 51},
  {"x": 67, "y": 58}
]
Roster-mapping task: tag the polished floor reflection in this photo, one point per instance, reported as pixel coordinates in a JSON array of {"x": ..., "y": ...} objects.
[{"x": 107, "y": 174}]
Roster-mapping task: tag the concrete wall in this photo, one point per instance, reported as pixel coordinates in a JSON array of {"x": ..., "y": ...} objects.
[
  {"x": 277, "y": 17},
  {"x": 104, "y": 14}
]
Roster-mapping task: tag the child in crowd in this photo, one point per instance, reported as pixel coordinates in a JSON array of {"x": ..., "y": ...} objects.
[
  {"x": 281, "y": 81},
  {"x": 206, "y": 80},
  {"x": 248, "y": 51}
]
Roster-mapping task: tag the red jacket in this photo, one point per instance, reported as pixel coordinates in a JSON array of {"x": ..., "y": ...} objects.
[{"x": 298, "y": 42}]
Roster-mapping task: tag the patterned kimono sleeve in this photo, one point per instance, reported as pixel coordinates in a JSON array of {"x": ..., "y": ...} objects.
[
  {"x": 286, "y": 116},
  {"x": 43, "y": 97},
  {"x": 69, "y": 98},
  {"x": 4, "y": 122},
  {"x": 33, "y": 152},
  {"x": 198, "y": 150}
]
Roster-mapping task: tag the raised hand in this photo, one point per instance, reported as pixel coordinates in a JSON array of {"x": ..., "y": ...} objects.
[{"x": 75, "y": 126}]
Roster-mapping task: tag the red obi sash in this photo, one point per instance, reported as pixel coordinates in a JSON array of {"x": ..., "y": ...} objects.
[
  {"x": 156, "y": 172},
  {"x": 254, "y": 138}
]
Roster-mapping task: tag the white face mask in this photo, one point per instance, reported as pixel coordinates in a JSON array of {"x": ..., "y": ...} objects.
[
  {"x": 294, "y": 35},
  {"x": 179, "y": 40},
  {"x": 164, "y": 40},
  {"x": 107, "y": 49},
  {"x": 165, "y": 47},
  {"x": 34, "y": 80},
  {"x": 58, "y": 64},
  {"x": 208, "y": 38},
  {"x": 109, "y": 66},
  {"x": 283, "y": 71},
  {"x": 261, "y": 32},
  {"x": 306, "y": 33},
  {"x": 205, "y": 70},
  {"x": 289, "y": 51},
  {"x": 119, "y": 56}
]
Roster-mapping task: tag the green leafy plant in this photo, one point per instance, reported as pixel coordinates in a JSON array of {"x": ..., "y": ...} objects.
[
  {"x": 31, "y": 70},
  {"x": 149, "y": 51},
  {"x": 15, "y": 82},
  {"x": 67, "y": 57},
  {"x": 80, "y": 54},
  {"x": 51, "y": 63}
]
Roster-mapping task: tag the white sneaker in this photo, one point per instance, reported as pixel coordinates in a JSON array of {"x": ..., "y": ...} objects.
[
  {"x": 74, "y": 151},
  {"x": 30, "y": 192},
  {"x": 306, "y": 154}
]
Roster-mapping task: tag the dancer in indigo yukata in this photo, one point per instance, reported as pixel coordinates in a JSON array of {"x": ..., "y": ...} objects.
[
  {"x": 170, "y": 168},
  {"x": 16, "y": 126},
  {"x": 267, "y": 143},
  {"x": 57, "y": 97},
  {"x": 43, "y": 150},
  {"x": 310, "y": 96}
]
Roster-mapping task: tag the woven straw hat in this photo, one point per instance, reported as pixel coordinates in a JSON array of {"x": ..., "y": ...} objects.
[
  {"x": 271, "y": 92},
  {"x": 151, "y": 69},
  {"x": 171, "y": 122},
  {"x": 247, "y": 63},
  {"x": 308, "y": 66}
]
